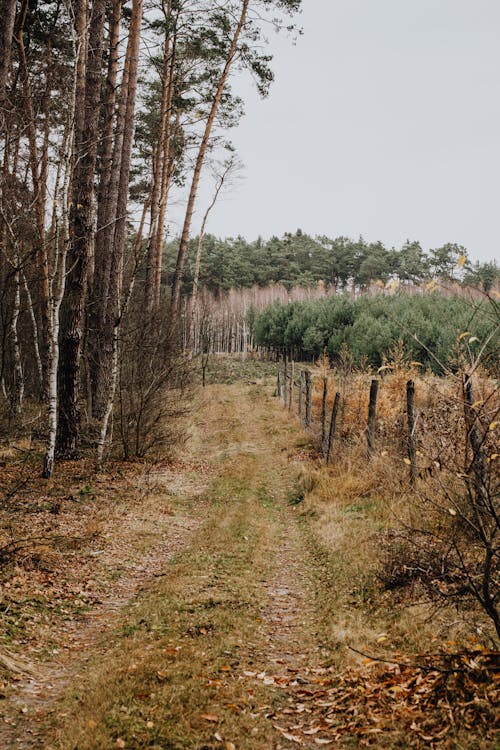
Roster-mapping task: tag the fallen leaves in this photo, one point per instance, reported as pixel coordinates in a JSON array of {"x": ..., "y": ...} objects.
[
  {"x": 430, "y": 700},
  {"x": 228, "y": 745},
  {"x": 289, "y": 735},
  {"x": 210, "y": 717}
]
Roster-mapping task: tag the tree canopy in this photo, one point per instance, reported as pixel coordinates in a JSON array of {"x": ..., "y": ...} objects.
[{"x": 297, "y": 259}]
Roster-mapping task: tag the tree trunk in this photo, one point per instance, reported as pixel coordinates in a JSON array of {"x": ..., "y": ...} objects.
[
  {"x": 58, "y": 280},
  {"x": 81, "y": 225},
  {"x": 34, "y": 325},
  {"x": 7, "y": 19},
  {"x": 53, "y": 358},
  {"x": 120, "y": 224},
  {"x": 106, "y": 212},
  {"x": 118, "y": 196},
  {"x": 161, "y": 171},
  {"x": 17, "y": 390}
]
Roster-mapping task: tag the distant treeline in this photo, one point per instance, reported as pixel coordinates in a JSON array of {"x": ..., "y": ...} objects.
[
  {"x": 436, "y": 330},
  {"x": 298, "y": 259}
]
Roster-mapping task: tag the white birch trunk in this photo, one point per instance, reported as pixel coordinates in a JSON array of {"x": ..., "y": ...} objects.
[
  {"x": 34, "y": 326},
  {"x": 17, "y": 391},
  {"x": 57, "y": 284}
]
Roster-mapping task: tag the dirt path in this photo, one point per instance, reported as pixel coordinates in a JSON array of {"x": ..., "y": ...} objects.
[
  {"x": 209, "y": 640},
  {"x": 43, "y": 684}
]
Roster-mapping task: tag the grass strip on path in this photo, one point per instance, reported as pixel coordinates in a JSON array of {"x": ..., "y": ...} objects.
[{"x": 175, "y": 672}]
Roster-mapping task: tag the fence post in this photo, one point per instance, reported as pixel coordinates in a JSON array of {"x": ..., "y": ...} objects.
[
  {"x": 475, "y": 440},
  {"x": 307, "y": 420},
  {"x": 412, "y": 443},
  {"x": 323, "y": 414},
  {"x": 333, "y": 427},
  {"x": 278, "y": 384},
  {"x": 301, "y": 391},
  {"x": 285, "y": 382},
  {"x": 292, "y": 376},
  {"x": 372, "y": 413}
]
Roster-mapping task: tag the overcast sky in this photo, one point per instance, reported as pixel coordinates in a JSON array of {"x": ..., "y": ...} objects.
[{"x": 384, "y": 120}]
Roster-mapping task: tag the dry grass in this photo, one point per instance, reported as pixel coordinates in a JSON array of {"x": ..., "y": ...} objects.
[{"x": 359, "y": 508}]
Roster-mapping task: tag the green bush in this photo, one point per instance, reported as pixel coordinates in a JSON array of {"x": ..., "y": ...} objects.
[{"x": 429, "y": 326}]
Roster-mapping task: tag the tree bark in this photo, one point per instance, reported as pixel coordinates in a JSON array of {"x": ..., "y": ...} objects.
[
  {"x": 81, "y": 224},
  {"x": 161, "y": 172},
  {"x": 17, "y": 390},
  {"x": 117, "y": 216},
  {"x": 34, "y": 325},
  {"x": 60, "y": 235},
  {"x": 106, "y": 212},
  {"x": 7, "y": 19}
]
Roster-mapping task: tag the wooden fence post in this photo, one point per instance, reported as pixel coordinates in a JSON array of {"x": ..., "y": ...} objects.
[
  {"x": 292, "y": 376},
  {"x": 412, "y": 442},
  {"x": 475, "y": 440},
  {"x": 307, "y": 420},
  {"x": 323, "y": 414},
  {"x": 372, "y": 414},
  {"x": 278, "y": 384},
  {"x": 301, "y": 391},
  {"x": 333, "y": 427},
  {"x": 285, "y": 382}
]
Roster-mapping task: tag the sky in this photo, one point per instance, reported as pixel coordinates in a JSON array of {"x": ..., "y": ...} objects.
[{"x": 383, "y": 120}]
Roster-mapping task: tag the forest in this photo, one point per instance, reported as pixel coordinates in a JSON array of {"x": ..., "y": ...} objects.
[
  {"x": 107, "y": 109},
  {"x": 249, "y": 488},
  {"x": 297, "y": 259}
]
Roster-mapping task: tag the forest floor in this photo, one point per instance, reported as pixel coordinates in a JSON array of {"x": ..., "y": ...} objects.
[{"x": 183, "y": 605}]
